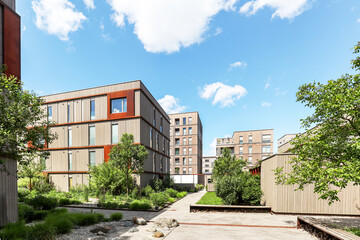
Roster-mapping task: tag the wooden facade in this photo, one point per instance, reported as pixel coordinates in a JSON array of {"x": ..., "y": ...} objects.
[{"x": 284, "y": 198}]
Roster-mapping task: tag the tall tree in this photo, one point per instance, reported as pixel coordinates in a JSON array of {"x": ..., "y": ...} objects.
[
  {"x": 328, "y": 153},
  {"x": 128, "y": 157},
  {"x": 227, "y": 164},
  {"x": 31, "y": 169}
]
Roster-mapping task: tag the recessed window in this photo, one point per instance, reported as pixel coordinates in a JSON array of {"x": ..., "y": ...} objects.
[
  {"x": 190, "y": 130},
  {"x": 118, "y": 105},
  {"x": 177, "y": 131},
  {"x": 190, "y": 140},
  {"x": 154, "y": 119},
  {"x": 190, "y": 160},
  {"x": 184, "y": 151},
  {"x": 92, "y": 159},
  {"x": 184, "y": 161},
  {"x": 250, "y": 159},
  {"x": 206, "y": 170},
  {"x": 91, "y": 135},
  {"x": 190, "y": 120},
  {"x": 241, "y": 150},
  {"x": 177, "y": 161},
  {"x": 177, "y": 121},
  {"x": 184, "y": 121},
  {"x": 92, "y": 109},
  {"x": 266, "y": 149},
  {"x": 70, "y": 162},
  {"x": 190, "y": 170},
  {"x": 266, "y": 138},
  {"x": 184, "y": 131},
  {"x": 184, "y": 170},
  {"x": 177, "y": 170},
  {"x": 161, "y": 124},
  {"x": 241, "y": 139},
  {"x": 250, "y": 139},
  {"x": 114, "y": 133},
  {"x": 190, "y": 150},
  {"x": 49, "y": 110},
  {"x": 250, "y": 149},
  {"x": 68, "y": 112},
  {"x": 177, "y": 151},
  {"x": 206, "y": 165},
  {"x": 184, "y": 141},
  {"x": 69, "y": 137},
  {"x": 157, "y": 141},
  {"x": 206, "y": 160},
  {"x": 177, "y": 141},
  {"x": 151, "y": 137}
]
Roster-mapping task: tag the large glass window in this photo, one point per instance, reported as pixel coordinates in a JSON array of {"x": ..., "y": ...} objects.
[
  {"x": 190, "y": 140},
  {"x": 69, "y": 137},
  {"x": 184, "y": 170},
  {"x": 177, "y": 141},
  {"x": 114, "y": 133},
  {"x": 177, "y": 121},
  {"x": 184, "y": 131},
  {"x": 92, "y": 109},
  {"x": 241, "y": 150},
  {"x": 70, "y": 163},
  {"x": 154, "y": 119},
  {"x": 250, "y": 139},
  {"x": 92, "y": 159},
  {"x": 184, "y": 151},
  {"x": 49, "y": 110},
  {"x": 190, "y": 170},
  {"x": 157, "y": 141},
  {"x": 161, "y": 124},
  {"x": 184, "y": 160},
  {"x": 91, "y": 135},
  {"x": 241, "y": 139},
  {"x": 190, "y": 160},
  {"x": 184, "y": 141},
  {"x": 266, "y": 138},
  {"x": 266, "y": 149},
  {"x": 118, "y": 105},
  {"x": 190, "y": 120},
  {"x": 177, "y": 131},
  {"x": 250, "y": 149},
  {"x": 184, "y": 121},
  {"x": 151, "y": 137},
  {"x": 177, "y": 151},
  {"x": 190, "y": 130},
  {"x": 190, "y": 150},
  {"x": 177, "y": 161},
  {"x": 68, "y": 112}
]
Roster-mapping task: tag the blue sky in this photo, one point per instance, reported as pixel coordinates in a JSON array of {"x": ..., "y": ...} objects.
[{"x": 238, "y": 63}]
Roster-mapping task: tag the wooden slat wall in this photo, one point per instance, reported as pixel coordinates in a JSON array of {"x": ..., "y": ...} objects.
[
  {"x": 284, "y": 199},
  {"x": 8, "y": 194}
]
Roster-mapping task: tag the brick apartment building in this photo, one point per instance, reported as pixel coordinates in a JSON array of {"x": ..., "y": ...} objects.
[
  {"x": 90, "y": 121},
  {"x": 186, "y": 143},
  {"x": 252, "y": 145}
]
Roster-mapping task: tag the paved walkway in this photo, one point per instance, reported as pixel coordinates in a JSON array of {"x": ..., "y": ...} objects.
[{"x": 217, "y": 225}]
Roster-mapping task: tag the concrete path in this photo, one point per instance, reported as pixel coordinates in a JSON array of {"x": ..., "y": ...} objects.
[{"x": 213, "y": 225}]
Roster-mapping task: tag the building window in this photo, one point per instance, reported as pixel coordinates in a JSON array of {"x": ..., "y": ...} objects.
[
  {"x": 177, "y": 161},
  {"x": 70, "y": 182},
  {"x": 190, "y": 140},
  {"x": 118, "y": 105},
  {"x": 177, "y": 141},
  {"x": 91, "y": 135},
  {"x": 241, "y": 150},
  {"x": 190, "y": 150},
  {"x": 184, "y": 151},
  {"x": 163, "y": 145},
  {"x": 161, "y": 163},
  {"x": 206, "y": 170},
  {"x": 241, "y": 139},
  {"x": 263, "y": 157},
  {"x": 184, "y": 131},
  {"x": 92, "y": 159},
  {"x": 250, "y": 149},
  {"x": 68, "y": 112},
  {"x": 266, "y": 138},
  {"x": 184, "y": 170},
  {"x": 177, "y": 131},
  {"x": 170, "y": 151},
  {"x": 206, "y": 165},
  {"x": 184, "y": 121},
  {"x": 190, "y": 120},
  {"x": 154, "y": 119},
  {"x": 190, "y": 130},
  {"x": 114, "y": 133},
  {"x": 49, "y": 111},
  {"x": 206, "y": 160},
  {"x": 250, "y": 159},
  {"x": 177, "y": 170},
  {"x": 266, "y": 149},
  {"x": 250, "y": 138},
  {"x": 184, "y": 161},
  {"x": 161, "y": 124},
  {"x": 177, "y": 151},
  {"x": 157, "y": 141},
  {"x": 177, "y": 121},
  {"x": 170, "y": 132},
  {"x": 184, "y": 141},
  {"x": 190, "y": 160},
  {"x": 69, "y": 137},
  {"x": 92, "y": 109},
  {"x": 190, "y": 170},
  {"x": 151, "y": 137},
  {"x": 70, "y": 164}
]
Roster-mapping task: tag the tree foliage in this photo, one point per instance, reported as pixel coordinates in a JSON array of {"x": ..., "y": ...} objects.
[
  {"x": 128, "y": 158},
  {"x": 20, "y": 109},
  {"x": 328, "y": 153},
  {"x": 227, "y": 164},
  {"x": 31, "y": 169}
]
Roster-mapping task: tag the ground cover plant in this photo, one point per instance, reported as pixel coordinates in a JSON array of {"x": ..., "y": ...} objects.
[
  {"x": 210, "y": 198},
  {"x": 354, "y": 230}
]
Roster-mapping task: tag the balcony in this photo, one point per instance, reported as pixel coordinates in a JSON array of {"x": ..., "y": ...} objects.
[{"x": 224, "y": 141}]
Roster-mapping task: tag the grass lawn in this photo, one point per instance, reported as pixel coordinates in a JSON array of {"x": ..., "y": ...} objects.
[
  {"x": 210, "y": 198},
  {"x": 353, "y": 230}
]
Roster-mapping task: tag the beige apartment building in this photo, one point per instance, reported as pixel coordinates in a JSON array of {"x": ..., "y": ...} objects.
[
  {"x": 252, "y": 145},
  {"x": 185, "y": 143},
  {"x": 89, "y": 122},
  {"x": 284, "y": 143},
  {"x": 208, "y": 164}
]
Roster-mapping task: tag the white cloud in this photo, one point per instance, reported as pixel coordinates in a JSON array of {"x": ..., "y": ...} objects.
[
  {"x": 283, "y": 8},
  {"x": 57, "y": 17},
  {"x": 222, "y": 94},
  {"x": 279, "y": 92},
  {"x": 265, "y": 104},
  {"x": 166, "y": 26},
  {"x": 237, "y": 65},
  {"x": 267, "y": 85},
  {"x": 23, "y": 28},
  {"x": 89, "y": 4},
  {"x": 218, "y": 31},
  {"x": 102, "y": 26},
  {"x": 171, "y": 104},
  {"x": 358, "y": 21}
]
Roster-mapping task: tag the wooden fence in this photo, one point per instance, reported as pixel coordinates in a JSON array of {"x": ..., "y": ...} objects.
[{"x": 284, "y": 199}]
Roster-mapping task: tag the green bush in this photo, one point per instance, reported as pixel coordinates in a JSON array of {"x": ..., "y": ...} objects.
[
  {"x": 23, "y": 194},
  {"x": 143, "y": 204},
  {"x": 156, "y": 184},
  {"x": 116, "y": 216},
  {"x": 41, "y": 231},
  {"x": 85, "y": 219},
  {"x": 168, "y": 182},
  {"x": 61, "y": 223},
  {"x": 171, "y": 200},
  {"x": 43, "y": 185},
  {"x": 16, "y": 230},
  {"x": 67, "y": 201},
  {"x": 199, "y": 187},
  {"x": 159, "y": 199},
  {"x": 243, "y": 189},
  {"x": 26, "y": 212},
  {"x": 42, "y": 203},
  {"x": 171, "y": 192},
  {"x": 181, "y": 194},
  {"x": 146, "y": 191},
  {"x": 58, "y": 211}
]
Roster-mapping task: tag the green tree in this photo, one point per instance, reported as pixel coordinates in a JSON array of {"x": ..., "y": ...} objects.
[
  {"x": 30, "y": 169},
  {"x": 22, "y": 121},
  {"x": 128, "y": 158},
  {"x": 328, "y": 153},
  {"x": 227, "y": 164}
]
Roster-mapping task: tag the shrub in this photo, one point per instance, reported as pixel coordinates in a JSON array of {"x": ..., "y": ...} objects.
[
  {"x": 181, "y": 194},
  {"x": 171, "y": 200},
  {"x": 84, "y": 219},
  {"x": 199, "y": 187},
  {"x": 146, "y": 191},
  {"x": 61, "y": 223},
  {"x": 26, "y": 212},
  {"x": 16, "y": 230},
  {"x": 171, "y": 192},
  {"x": 43, "y": 185},
  {"x": 58, "y": 211},
  {"x": 42, "y": 203},
  {"x": 41, "y": 231},
  {"x": 109, "y": 204},
  {"x": 243, "y": 189},
  {"x": 135, "y": 193},
  {"x": 23, "y": 194},
  {"x": 67, "y": 201},
  {"x": 143, "y": 204},
  {"x": 116, "y": 216},
  {"x": 159, "y": 199},
  {"x": 156, "y": 184},
  {"x": 168, "y": 182}
]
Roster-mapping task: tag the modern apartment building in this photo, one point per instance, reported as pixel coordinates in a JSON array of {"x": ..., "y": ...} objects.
[
  {"x": 252, "y": 145},
  {"x": 186, "y": 143},
  {"x": 90, "y": 121},
  {"x": 208, "y": 164},
  {"x": 284, "y": 142}
]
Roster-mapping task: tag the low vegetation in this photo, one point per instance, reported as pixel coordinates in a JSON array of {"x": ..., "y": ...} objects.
[
  {"x": 210, "y": 198},
  {"x": 354, "y": 230}
]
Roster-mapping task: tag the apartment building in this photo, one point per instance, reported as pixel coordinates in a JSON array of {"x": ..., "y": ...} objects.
[
  {"x": 284, "y": 142},
  {"x": 208, "y": 164},
  {"x": 90, "y": 121},
  {"x": 186, "y": 143},
  {"x": 252, "y": 145}
]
